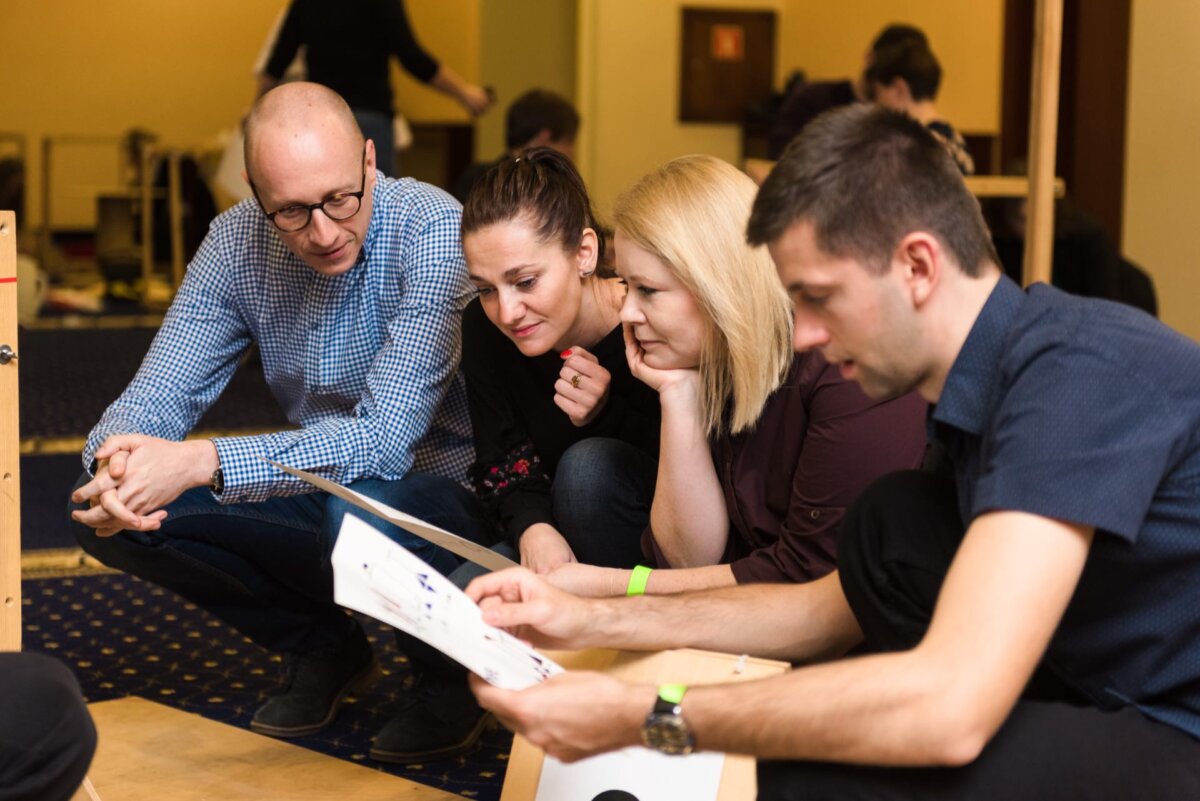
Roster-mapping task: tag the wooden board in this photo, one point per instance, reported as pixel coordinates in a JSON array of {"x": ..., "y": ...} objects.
[
  {"x": 10, "y": 445},
  {"x": 687, "y": 666},
  {"x": 1006, "y": 186},
  {"x": 149, "y": 752},
  {"x": 981, "y": 186}
]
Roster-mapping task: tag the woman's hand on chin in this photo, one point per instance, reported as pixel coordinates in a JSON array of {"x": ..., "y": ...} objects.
[{"x": 658, "y": 380}]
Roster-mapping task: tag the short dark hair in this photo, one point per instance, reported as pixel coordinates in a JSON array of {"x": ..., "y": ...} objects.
[
  {"x": 898, "y": 33},
  {"x": 865, "y": 176},
  {"x": 539, "y": 110},
  {"x": 542, "y": 186},
  {"x": 912, "y": 61}
]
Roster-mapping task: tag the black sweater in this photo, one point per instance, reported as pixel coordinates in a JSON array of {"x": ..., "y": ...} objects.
[
  {"x": 520, "y": 434},
  {"x": 349, "y": 45}
]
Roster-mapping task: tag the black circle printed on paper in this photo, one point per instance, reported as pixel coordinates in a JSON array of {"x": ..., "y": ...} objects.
[{"x": 615, "y": 795}]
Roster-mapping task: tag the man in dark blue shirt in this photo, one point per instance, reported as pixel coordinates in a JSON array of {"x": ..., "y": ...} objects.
[{"x": 1025, "y": 627}]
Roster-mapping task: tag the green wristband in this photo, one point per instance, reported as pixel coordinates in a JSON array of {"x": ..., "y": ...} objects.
[
  {"x": 672, "y": 693},
  {"x": 637, "y": 580}
]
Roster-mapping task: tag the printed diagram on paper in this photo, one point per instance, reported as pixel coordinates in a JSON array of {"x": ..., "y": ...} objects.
[{"x": 375, "y": 576}]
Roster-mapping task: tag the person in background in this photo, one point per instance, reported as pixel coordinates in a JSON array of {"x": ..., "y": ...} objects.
[
  {"x": 1085, "y": 260},
  {"x": 349, "y": 45},
  {"x": 538, "y": 118},
  {"x": 808, "y": 100},
  {"x": 906, "y": 77},
  {"x": 761, "y": 449}
]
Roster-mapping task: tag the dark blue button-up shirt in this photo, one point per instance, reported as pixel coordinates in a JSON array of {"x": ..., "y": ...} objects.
[{"x": 1089, "y": 412}]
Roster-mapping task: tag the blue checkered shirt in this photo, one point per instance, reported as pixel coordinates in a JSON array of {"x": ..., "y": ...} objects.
[{"x": 365, "y": 364}]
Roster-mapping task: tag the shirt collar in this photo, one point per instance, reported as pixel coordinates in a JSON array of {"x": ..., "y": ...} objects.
[
  {"x": 970, "y": 391},
  {"x": 374, "y": 225}
]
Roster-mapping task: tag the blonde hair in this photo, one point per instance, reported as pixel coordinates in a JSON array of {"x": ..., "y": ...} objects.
[{"x": 691, "y": 214}]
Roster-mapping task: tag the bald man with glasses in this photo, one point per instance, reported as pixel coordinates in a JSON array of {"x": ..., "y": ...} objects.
[{"x": 352, "y": 285}]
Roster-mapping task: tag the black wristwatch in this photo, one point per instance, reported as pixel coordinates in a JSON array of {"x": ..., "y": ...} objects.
[
  {"x": 217, "y": 482},
  {"x": 665, "y": 729}
]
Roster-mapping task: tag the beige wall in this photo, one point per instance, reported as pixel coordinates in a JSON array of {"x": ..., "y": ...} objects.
[
  {"x": 524, "y": 44},
  {"x": 629, "y": 71},
  {"x": 450, "y": 31},
  {"x": 1162, "y": 163},
  {"x": 180, "y": 69},
  {"x": 628, "y": 92}
]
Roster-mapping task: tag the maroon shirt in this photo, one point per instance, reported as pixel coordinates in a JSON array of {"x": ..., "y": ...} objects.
[{"x": 787, "y": 482}]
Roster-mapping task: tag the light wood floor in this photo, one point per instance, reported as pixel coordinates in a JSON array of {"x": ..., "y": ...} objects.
[{"x": 149, "y": 752}]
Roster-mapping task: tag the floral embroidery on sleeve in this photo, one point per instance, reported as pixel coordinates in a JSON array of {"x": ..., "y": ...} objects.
[{"x": 518, "y": 465}]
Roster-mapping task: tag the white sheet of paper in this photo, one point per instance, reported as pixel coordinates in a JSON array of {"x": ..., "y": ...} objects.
[
  {"x": 375, "y": 576},
  {"x": 646, "y": 775},
  {"x": 475, "y": 552}
]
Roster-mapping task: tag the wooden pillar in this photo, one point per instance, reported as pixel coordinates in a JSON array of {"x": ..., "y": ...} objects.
[
  {"x": 10, "y": 442},
  {"x": 1043, "y": 134}
]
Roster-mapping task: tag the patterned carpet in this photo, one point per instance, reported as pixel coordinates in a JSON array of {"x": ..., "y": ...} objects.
[
  {"x": 69, "y": 376},
  {"x": 123, "y": 637}
]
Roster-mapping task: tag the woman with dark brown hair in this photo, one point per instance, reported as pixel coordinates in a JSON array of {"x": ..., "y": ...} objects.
[{"x": 566, "y": 439}]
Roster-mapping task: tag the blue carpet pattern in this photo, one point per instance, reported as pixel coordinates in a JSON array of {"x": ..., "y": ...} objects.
[
  {"x": 45, "y": 483},
  {"x": 122, "y": 637},
  {"x": 70, "y": 376}
]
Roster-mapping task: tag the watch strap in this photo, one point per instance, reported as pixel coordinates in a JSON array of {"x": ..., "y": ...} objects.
[{"x": 670, "y": 696}]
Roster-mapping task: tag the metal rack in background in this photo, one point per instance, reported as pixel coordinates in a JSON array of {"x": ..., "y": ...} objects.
[{"x": 151, "y": 157}]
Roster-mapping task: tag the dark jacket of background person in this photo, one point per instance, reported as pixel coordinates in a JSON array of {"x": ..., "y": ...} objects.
[
  {"x": 802, "y": 105},
  {"x": 1084, "y": 260},
  {"x": 520, "y": 434},
  {"x": 350, "y": 43},
  {"x": 788, "y": 481}
]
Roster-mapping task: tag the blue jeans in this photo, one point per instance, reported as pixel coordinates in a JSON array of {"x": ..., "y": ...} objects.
[
  {"x": 377, "y": 127},
  {"x": 601, "y": 498},
  {"x": 602, "y": 493},
  {"x": 264, "y": 567}
]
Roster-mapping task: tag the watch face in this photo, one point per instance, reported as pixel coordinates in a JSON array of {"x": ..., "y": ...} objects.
[{"x": 669, "y": 734}]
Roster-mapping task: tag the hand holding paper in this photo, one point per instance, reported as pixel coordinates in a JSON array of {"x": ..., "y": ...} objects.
[{"x": 375, "y": 576}]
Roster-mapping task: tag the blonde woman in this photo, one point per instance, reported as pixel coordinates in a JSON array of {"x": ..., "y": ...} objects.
[{"x": 761, "y": 450}]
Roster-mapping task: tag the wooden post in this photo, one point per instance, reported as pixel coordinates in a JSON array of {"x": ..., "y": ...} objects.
[
  {"x": 1043, "y": 137},
  {"x": 10, "y": 444}
]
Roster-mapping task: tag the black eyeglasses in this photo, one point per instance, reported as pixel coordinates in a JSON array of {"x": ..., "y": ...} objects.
[{"x": 341, "y": 206}]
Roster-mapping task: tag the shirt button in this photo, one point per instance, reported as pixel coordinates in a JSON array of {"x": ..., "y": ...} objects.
[{"x": 814, "y": 514}]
